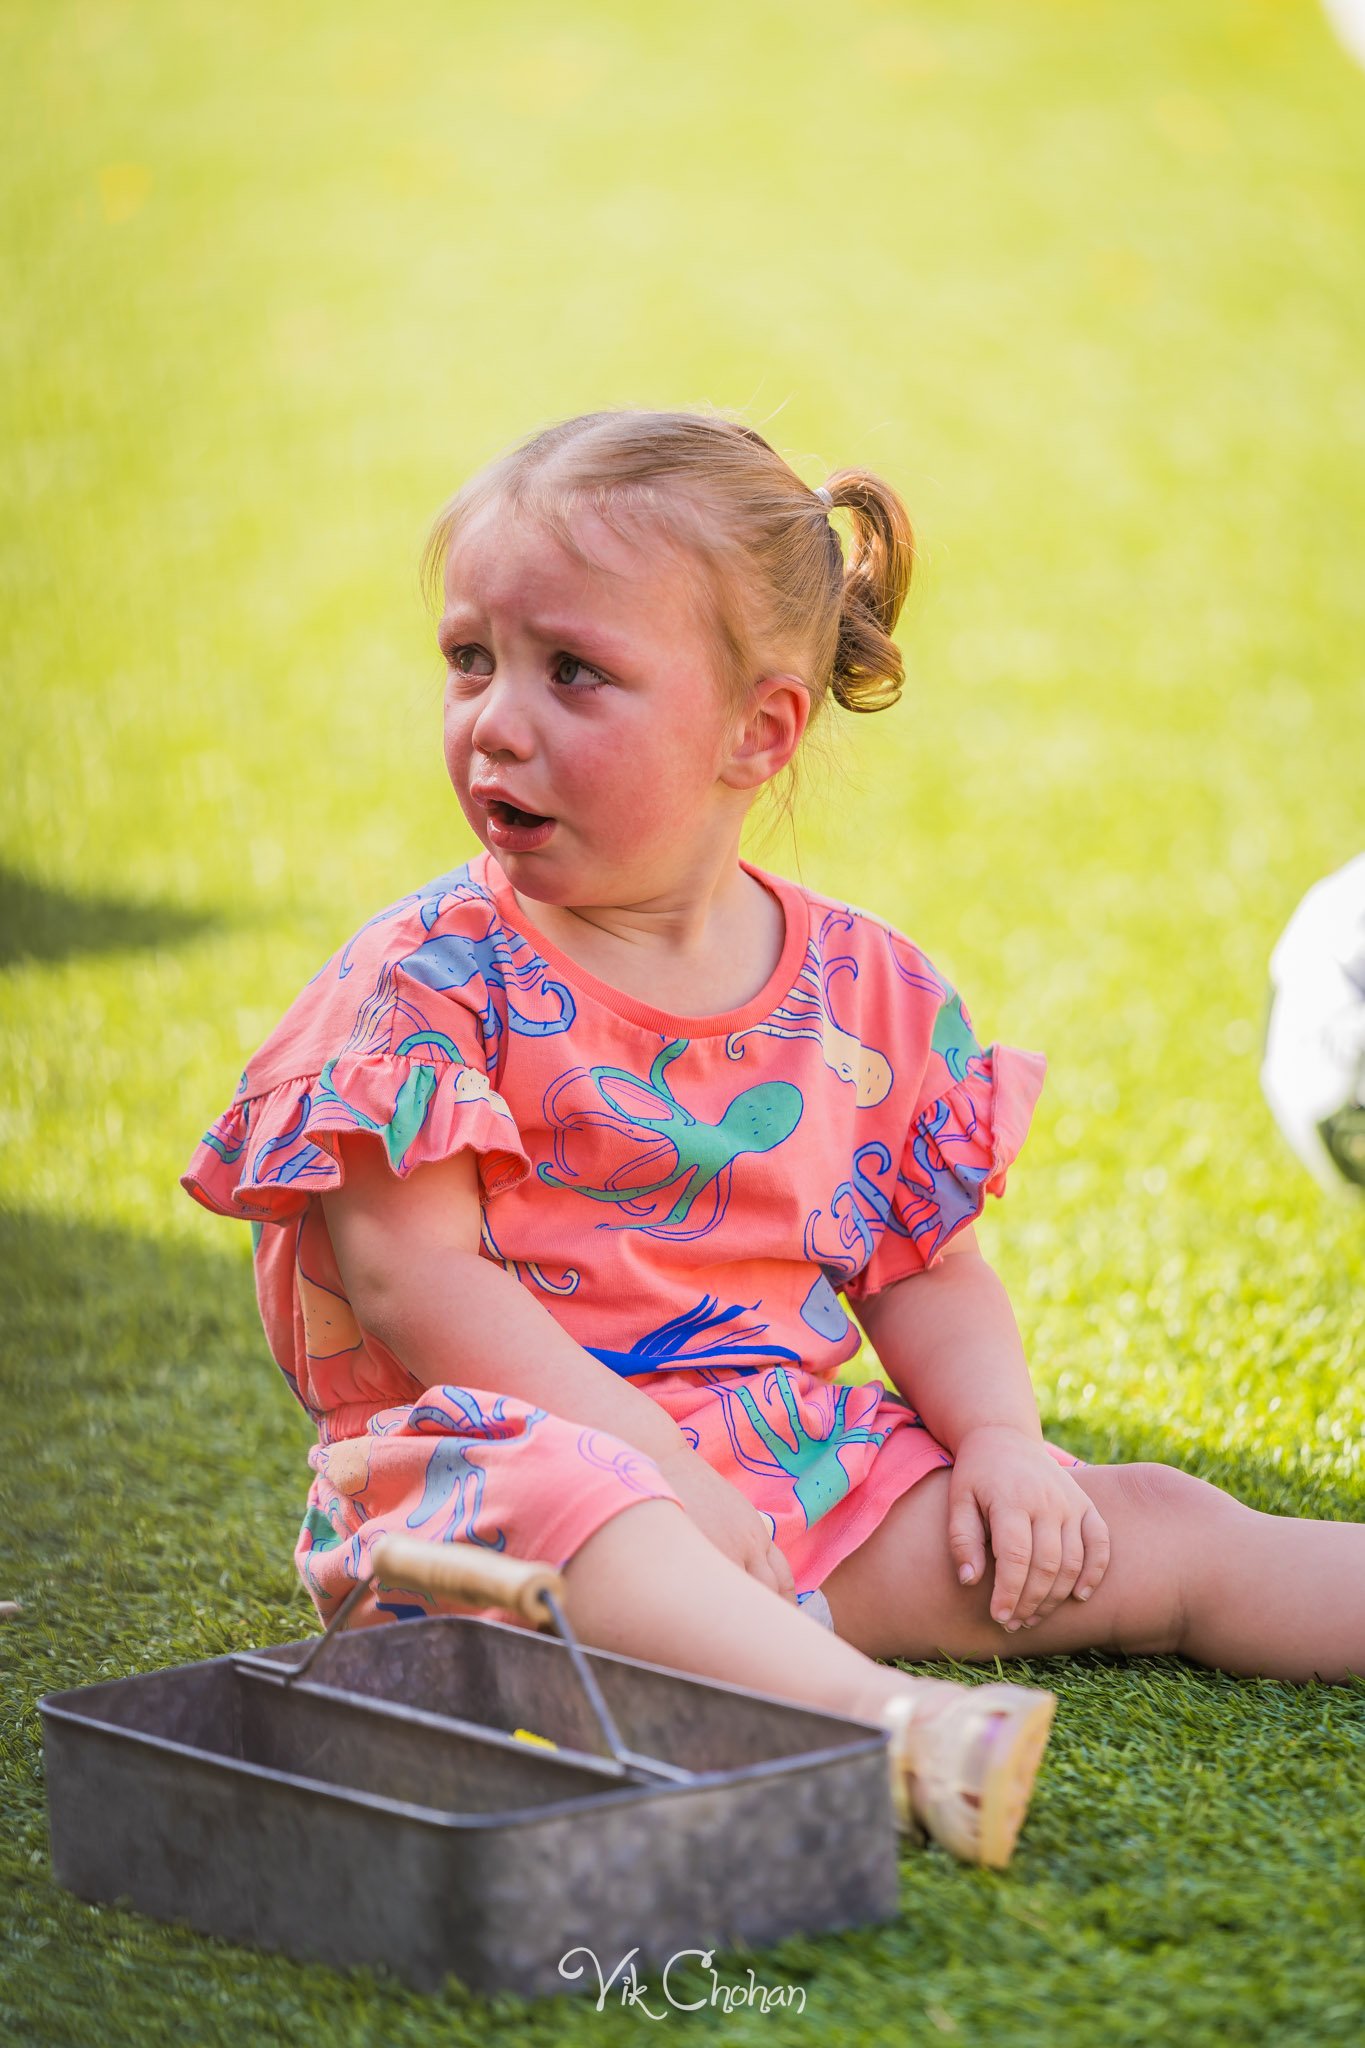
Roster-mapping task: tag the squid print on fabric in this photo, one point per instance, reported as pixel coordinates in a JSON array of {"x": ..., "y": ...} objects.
[
  {"x": 684, "y": 1343},
  {"x": 947, "y": 1194},
  {"x": 807, "y": 1011},
  {"x": 672, "y": 1162},
  {"x": 925, "y": 1206},
  {"x": 843, "y": 1238},
  {"x": 429, "y": 1444}
]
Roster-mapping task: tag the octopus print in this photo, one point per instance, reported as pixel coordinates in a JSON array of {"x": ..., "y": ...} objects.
[
  {"x": 697, "y": 1157},
  {"x": 520, "y": 995},
  {"x": 811, "y": 1460},
  {"x": 807, "y": 1011}
]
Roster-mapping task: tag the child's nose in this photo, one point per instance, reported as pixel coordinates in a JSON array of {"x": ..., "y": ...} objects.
[{"x": 502, "y": 724}]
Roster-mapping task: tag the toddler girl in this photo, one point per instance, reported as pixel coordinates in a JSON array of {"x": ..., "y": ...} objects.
[{"x": 566, "y": 1171}]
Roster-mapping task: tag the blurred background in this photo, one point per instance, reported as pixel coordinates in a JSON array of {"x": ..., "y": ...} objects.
[{"x": 1085, "y": 282}]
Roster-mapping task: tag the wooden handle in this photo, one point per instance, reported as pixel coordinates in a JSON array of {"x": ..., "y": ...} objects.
[{"x": 463, "y": 1571}]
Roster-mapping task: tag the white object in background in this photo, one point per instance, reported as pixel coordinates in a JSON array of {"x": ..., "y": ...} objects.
[
  {"x": 1313, "y": 1070},
  {"x": 1348, "y": 19}
]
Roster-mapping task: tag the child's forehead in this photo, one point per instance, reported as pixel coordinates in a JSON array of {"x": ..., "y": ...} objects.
[{"x": 504, "y": 555}]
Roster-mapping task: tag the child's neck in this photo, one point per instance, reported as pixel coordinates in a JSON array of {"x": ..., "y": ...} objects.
[{"x": 692, "y": 953}]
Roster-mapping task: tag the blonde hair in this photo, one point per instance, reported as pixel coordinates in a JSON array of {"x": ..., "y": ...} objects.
[{"x": 779, "y": 592}]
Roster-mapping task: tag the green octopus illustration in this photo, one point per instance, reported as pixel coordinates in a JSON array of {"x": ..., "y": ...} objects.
[
  {"x": 954, "y": 1040},
  {"x": 413, "y": 1101},
  {"x": 758, "y": 1120},
  {"x": 323, "y": 1530},
  {"x": 819, "y": 1480}
]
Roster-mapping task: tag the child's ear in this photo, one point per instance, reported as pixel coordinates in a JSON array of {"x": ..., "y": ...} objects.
[{"x": 767, "y": 732}]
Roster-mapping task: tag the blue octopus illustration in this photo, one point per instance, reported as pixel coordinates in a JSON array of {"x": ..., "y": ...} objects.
[
  {"x": 758, "y": 1120},
  {"x": 952, "y": 1195},
  {"x": 512, "y": 974},
  {"x": 451, "y": 1476},
  {"x": 860, "y": 1211},
  {"x": 432, "y": 896}
]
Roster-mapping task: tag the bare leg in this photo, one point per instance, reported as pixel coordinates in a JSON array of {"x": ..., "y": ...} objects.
[
  {"x": 1191, "y": 1571},
  {"x": 650, "y": 1585}
]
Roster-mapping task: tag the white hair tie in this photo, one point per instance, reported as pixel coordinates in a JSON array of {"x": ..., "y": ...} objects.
[{"x": 825, "y": 497}]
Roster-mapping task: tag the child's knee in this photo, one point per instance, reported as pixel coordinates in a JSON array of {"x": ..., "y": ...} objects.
[
  {"x": 1172, "y": 1530},
  {"x": 1171, "y": 1493}
]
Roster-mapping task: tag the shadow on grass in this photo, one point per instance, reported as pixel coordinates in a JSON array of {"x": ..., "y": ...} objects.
[
  {"x": 96, "y": 1297},
  {"x": 146, "y": 1414},
  {"x": 39, "y": 922}
]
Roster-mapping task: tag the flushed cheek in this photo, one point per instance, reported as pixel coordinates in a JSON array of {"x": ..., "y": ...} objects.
[
  {"x": 459, "y": 749},
  {"x": 629, "y": 789},
  {"x": 459, "y": 767}
]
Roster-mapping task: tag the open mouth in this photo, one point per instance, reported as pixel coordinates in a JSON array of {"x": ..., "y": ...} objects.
[
  {"x": 512, "y": 830},
  {"x": 508, "y": 814}
]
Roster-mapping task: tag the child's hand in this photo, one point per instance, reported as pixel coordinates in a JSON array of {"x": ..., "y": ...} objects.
[
  {"x": 729, "y": 1518},
  {"x": 1047, "y": 1537}
]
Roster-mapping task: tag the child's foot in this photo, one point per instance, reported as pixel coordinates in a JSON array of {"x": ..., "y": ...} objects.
[{"x": 963, "y": 1762}]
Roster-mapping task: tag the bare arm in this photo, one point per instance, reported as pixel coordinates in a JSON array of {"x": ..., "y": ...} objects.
[
  {"x": 949, "y": 1341},
  {"x": 408, "y": 1251},
  {"x": 408, "y": 1254}
]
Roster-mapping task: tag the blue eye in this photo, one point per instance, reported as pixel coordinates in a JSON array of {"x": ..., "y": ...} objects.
[{"x": 580, "y": 676}]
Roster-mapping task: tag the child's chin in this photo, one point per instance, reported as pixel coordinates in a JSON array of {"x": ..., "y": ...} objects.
[{"x": 548, "y": 878}]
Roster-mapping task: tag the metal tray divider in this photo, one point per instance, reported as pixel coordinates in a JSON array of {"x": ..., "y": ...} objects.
[{"x": 629, "y": 1764}]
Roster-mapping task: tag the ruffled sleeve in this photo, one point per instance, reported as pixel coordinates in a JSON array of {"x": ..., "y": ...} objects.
[
  {"x": 970, "y": 1119},
  {"x": 373, "y": 1044}
]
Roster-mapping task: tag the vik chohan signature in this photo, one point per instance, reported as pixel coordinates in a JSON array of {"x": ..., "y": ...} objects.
[{"x": 637, "y": 1991}]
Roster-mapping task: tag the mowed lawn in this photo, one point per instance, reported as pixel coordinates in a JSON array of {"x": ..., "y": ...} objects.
[{"x": 1085, "y": 282}]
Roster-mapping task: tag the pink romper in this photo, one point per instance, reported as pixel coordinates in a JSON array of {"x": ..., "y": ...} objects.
[{"x": 694, "y": 1199}]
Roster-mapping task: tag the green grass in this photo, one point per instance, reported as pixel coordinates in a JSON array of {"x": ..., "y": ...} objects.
[{"x": 1085, "y": 282}]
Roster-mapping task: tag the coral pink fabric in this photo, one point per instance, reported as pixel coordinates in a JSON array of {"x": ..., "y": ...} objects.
[{"x": 694, "y": 1199}]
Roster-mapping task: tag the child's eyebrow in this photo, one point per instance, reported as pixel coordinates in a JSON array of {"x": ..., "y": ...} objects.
[
  {"x": 587, "y": 637},
  {"x": 583, "y": 638},
  {"x": 461, "y": 619}
]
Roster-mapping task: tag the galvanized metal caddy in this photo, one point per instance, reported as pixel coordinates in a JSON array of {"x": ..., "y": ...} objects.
[{"x": 390, "y": 1813}]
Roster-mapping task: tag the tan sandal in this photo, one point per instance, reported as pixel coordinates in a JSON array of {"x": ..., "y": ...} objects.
[{"x": 965, "y": 1772}]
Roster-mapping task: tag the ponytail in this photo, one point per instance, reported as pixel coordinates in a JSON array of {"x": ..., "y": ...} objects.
[{"x": 868, "y": 671}]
